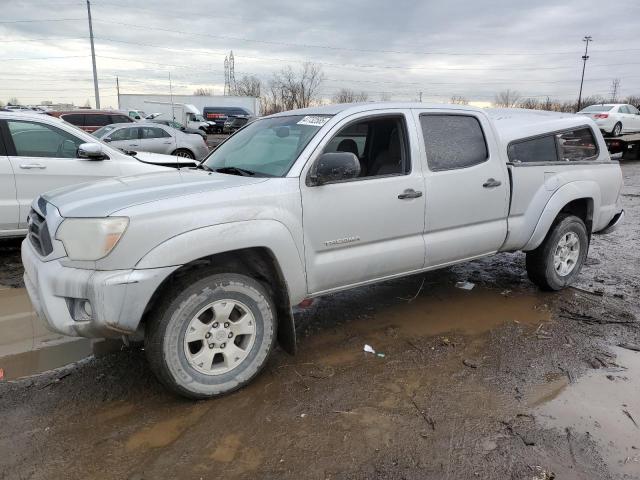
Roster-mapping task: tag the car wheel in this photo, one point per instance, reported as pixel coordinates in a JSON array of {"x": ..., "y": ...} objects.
[
  {"x": 617, "y": 129},
  {"x": 558, "y": 260},
  {"x": 183, "y": 152},
  {"x": 213, "y": 337}
]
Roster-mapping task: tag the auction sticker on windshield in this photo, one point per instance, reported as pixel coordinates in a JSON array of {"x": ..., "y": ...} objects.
[{"x": 314, "y": 120}]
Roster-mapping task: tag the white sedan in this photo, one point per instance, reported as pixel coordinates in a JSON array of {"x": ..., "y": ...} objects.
[
  {"x": 155, "y": 138},
  {"x": 614, "y": 118},
  {"x": 39, "y": 153}
]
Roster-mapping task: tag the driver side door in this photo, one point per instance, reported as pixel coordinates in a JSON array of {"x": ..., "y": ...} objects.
[{"x": 44, "y": 157}]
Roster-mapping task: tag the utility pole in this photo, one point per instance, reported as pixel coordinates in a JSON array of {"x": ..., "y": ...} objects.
[
  {"x": 118, "y": 90},
  {"x": 173, "y": 113},
  {"x": 93, "y": 57},
  {"x": 420, "y": 93},
  {"x": 585, "y": 57}
]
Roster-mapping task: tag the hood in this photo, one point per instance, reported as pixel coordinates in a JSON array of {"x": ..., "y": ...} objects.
[{"x": 105, "y": 197}]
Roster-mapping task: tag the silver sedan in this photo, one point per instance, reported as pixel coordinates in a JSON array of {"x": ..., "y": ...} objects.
[{"x": 155, "y": 138}]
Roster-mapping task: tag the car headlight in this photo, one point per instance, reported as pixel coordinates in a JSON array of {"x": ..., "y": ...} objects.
[{"x": 91, "y": 238}]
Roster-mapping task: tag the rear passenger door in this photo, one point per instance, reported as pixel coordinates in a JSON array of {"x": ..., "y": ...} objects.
[
  {"x": 125, "y": 138},
  {"x": 467, "y": 188}
]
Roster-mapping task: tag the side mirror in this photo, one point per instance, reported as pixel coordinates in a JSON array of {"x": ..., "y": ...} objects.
[
  {"x": 91, "y": 151},
  {"x": 334, "y": 167},
  {"x": 107, "y": 140}
]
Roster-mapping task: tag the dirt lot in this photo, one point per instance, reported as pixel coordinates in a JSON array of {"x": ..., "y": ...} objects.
[{"x": 502, "y": 381}]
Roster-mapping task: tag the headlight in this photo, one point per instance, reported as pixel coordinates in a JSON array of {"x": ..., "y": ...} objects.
[{"x": 91, "y": 238}]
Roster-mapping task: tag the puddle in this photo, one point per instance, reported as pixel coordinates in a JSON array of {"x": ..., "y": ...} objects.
[
  {"x": 597, "y": 405},
  {"x": 443, "y": 310},
  {"x": 27, "y": 347}
]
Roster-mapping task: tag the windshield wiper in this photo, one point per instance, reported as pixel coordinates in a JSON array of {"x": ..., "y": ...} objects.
[
  {"x": 235, "y": 171},
  {"x": 204, "y": 166}
]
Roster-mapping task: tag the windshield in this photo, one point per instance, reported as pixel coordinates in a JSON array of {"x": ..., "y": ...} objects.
[
  {"x": 597, "y": 108},
  {"x": 199, "y": 118},
  {"x": 101, "y": 132},
  {"x": 268, "y": 146}
]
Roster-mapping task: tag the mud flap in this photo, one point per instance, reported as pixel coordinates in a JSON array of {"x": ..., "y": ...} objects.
[{"x": 287, "y": 330}]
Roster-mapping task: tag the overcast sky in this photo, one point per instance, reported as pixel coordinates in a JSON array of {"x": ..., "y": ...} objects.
[{"x": 472, "y": 48}]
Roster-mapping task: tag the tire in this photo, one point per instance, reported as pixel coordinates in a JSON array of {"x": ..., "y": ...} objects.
[
  {"x": 617, "y": 130},
  {"x": 200, "y": 307},
  {"x": 184, "y": 153},
  {"x": 543, "y": 268}
]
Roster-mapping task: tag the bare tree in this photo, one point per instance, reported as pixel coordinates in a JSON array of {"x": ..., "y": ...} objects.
[
  {"x": 633, "y": 100},
  {"x": 615, "y": 88},
  {"x": 13, "y": 101},
  {"x": 249, "y": 86},
  {"x": 530, "y": 103},
  {"x": 507, "y": 98},
  {"x": 203, "y": 92},
  {"x": 458, "y": 100},
  {"x": 346, "y": 95},
  {"x": 289, "y": 89}
]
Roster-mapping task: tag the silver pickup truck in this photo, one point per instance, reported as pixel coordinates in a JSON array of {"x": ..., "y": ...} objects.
[{"x": 207, "y": 263}]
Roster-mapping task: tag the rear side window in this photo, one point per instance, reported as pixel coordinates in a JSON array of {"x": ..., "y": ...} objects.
[
  {"x": 120, "y": 119},
  {"x": 153, "y": 132},
  {"x": 453, "y": 141},
  {"x": 623, "y": 109},
  {"x": 541, "y": 149},
  {"x": 577, "y": 145},
  {"x": 97, "y": 120},
  {"x": 76, "y": 119}
]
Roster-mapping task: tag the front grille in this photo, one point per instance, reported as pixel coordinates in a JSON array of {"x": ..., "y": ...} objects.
[{"x": 39, "y": 233}]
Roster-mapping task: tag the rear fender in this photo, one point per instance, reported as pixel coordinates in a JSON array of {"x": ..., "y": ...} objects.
[{"x": 565, "y": 194}]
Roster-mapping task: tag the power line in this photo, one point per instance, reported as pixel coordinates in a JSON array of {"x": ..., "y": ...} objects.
[{"x": 43, "y": 20}]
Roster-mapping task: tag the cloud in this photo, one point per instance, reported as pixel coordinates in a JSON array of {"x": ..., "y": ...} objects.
[{"x": 440, "y": 48}]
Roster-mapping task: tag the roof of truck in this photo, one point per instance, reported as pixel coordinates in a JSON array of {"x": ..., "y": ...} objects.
[{"x": 510, "y": 123}]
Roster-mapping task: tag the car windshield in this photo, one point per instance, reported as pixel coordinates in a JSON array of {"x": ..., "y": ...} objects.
[
  {"x": 266, "y": 147},
  {"x": 101, "y": 132},
  {"x": 597, "y": 108},
  {"x": 199, "y": 118}
]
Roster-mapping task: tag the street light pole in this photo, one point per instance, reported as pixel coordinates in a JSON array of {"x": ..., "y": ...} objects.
[
  {"x": 585, "y": 57},
  {"x": 93, "y": 57}
]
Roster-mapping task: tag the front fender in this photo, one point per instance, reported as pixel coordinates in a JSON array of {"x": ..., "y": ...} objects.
[
  {"x": 226, "y": 237},
  {"x": 565, "y": 194}
]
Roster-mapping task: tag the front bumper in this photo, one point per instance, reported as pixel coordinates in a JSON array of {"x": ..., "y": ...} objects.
[{"x": 118, "y": 298}]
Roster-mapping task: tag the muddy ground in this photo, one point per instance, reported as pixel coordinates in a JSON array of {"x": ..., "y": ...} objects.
[{"x": 502, "y": 381}]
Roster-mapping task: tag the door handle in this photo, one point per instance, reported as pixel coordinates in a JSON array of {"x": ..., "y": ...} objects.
[
  {"x": 492, "y": 183},
  {"x": 409, "y": 193},
  {"x": 29, "y": 166},
  {"x": 134, "y": 145}
]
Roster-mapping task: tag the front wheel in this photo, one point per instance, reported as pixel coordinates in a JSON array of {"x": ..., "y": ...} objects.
[
  {"x": 558, "y": 260},
  {"x": 213, "y": 337},
  {"x": 184, "y": 153}
]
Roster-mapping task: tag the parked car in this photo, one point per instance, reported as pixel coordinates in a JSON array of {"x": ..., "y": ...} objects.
[
  {"x": 155, "y": 138},
  {"x": 92, "y": 120},
  {"x": 39, "y": 153},
  {"x": 233, "y": 123},
  {"x": 614, "y": 118},
  {"x": 305, "y": 203},
  {"x": 137, "y": 115},
  {"x": 216, "y": 116},
  {"x": 181, "y": 127}
]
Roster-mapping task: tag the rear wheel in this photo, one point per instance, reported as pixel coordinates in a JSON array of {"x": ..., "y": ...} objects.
[
  {"x": 559, "y": 259},
  {"x": 183, "y": 152},
  {"x": 617, "y": 129},
  {"x": 213, "y": 337}
]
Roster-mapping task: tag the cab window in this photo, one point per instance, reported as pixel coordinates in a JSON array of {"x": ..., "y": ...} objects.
[
  {"x": 380, "y": 143},
  {"x": 453, "y": 141},
  {"x": 31, "y": 139},
  {"x": 542, "y": 149}
]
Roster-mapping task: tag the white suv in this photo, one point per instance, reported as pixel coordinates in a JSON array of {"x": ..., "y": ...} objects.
[{"x": 40, "y": 153}]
